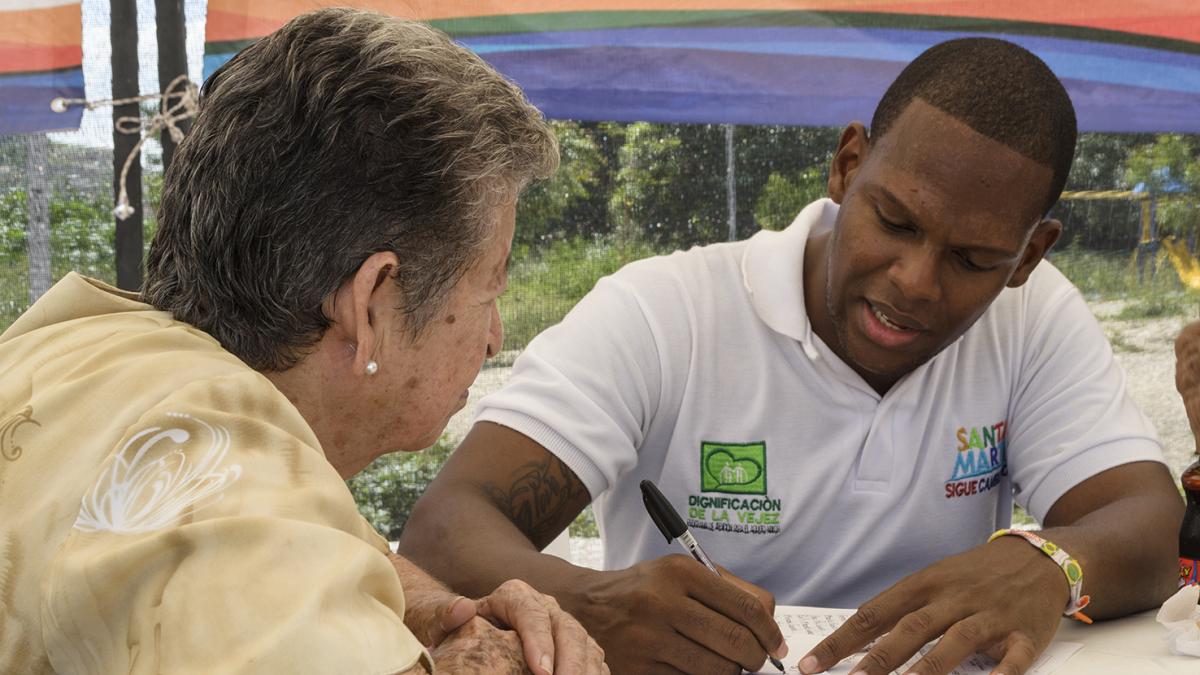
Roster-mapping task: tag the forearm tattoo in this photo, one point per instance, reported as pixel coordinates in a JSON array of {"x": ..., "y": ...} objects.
[{"x": 542, "y": 498}]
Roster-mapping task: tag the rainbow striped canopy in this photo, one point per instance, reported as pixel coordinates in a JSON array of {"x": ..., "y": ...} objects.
[
  {"x": 41, "y": 58},
  {"x": 1129, "y": 65}
]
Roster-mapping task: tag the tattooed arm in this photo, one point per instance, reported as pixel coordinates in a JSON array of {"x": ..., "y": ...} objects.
[
  {"x": 497, "y": 502},
  {"x": 502, "y": 497}
]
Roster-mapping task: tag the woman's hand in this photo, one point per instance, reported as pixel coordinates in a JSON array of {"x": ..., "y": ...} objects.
[{"x": 523, "y": 627}]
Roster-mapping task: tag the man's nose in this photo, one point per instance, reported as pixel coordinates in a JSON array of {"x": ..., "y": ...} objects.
[{"x": 915, "y": 273}]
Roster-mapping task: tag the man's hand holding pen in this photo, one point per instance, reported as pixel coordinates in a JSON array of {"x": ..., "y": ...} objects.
[
  {"x": 730, "y": 617},
  {"x": 678, "y": 617}
]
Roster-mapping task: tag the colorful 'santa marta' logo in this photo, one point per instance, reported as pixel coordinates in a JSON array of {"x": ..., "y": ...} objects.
[
  {"x": 980, "y": 460},
  {"x": 734, "y": 468}
]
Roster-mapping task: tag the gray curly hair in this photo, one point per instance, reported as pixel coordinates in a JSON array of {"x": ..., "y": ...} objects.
[{"x": 342, "y": 134}]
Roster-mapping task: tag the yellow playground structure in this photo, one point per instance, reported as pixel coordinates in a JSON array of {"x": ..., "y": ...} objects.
[{"x": 1186, "y": 265}]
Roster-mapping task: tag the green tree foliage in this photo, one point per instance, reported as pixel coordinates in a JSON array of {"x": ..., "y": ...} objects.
[
  {"x": 650, "y": 165},
  {"x": 388, "y": 489},
  {"x": 13, "y": 216},
  {"x": 542, "y": 212},
  {"x": 1100, "y": 160},
  {"x": 1104, "y": 225},
  {"x": 671, "y": 182},
  {"x": 545, "y": 284},
  {"x": 782, "y": 198},
  {"x": 1169, "y": 161},
  {"x": 1169, "y": 168},
  {"x": 83, "y": 236}
]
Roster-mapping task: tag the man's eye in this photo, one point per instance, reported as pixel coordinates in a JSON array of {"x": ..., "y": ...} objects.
[
  {"x": 892, "y": 225},
  {"x": 895, "y": 227},
  {"x": 966, "y": 262}
]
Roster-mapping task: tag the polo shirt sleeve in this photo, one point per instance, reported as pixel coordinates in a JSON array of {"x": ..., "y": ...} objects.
[
  {"x": 587, "y": 388},
  {"x": 1071, "y": 416},
  {"x": 216, "y": 538}
]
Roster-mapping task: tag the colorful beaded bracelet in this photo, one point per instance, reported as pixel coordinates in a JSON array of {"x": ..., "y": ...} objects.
[{"x": 1069, "y": 565}]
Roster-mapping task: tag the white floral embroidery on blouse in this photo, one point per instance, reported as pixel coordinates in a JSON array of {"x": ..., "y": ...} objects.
[{"x": 140, "y": 494}]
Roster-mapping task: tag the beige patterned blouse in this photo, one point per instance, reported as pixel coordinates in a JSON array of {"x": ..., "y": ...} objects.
[{"x": 165, "y": 509}]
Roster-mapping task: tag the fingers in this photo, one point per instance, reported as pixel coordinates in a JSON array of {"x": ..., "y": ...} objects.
[
  {"x": 688, "y": 655},
  {"x": 575, "y": 653},
  {"x": 765, "y": 598},
  {"x": 594, "y": 661},
  {"x": 738, "y": 605},
  {"x": 551, "y": 639},
  {"x": 516, "y": 605},
  {"x": 961, "y": 641},
  {"x": 906, "y": 638},
  {"x": 869, "y": 622},
  {"x": 478, "y": 647},
  {"x": 706, "y": 628},
  {"x": 459, "y": 612},
  {"x": 454, "y": 615},
  {"x": 1019, "y": 656}
]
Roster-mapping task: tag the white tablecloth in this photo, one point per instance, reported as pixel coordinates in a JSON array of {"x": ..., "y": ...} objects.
[{"x": 1134, "y": 645}]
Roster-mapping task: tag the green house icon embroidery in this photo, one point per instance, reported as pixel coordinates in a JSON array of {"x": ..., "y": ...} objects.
[{"x": 734, "y": 468}]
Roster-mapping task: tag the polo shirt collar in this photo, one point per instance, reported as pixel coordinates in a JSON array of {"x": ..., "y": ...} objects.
[{"x": 773, "y": 273}]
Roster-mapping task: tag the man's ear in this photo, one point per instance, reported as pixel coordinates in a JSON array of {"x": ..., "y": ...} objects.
[
  {"x": 1044, "y": 236},
  {"x": 851, "y": 152},
  {"x": 363, "y": 307}
]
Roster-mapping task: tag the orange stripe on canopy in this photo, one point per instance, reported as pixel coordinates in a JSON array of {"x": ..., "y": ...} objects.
[
  {"x": 41, "y": 27},
  {"x": 1175, "y": 19}
]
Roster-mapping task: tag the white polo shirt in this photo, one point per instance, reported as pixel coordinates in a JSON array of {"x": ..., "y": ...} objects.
[{"x": 700, "y": 371}]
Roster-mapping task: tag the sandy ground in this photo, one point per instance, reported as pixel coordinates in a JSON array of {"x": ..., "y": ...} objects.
[{"x": 1144, "y": 348}]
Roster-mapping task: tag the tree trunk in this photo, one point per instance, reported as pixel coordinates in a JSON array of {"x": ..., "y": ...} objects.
[
  {"x": 731, "y": 182},
  {"x": 37, "y": 232}
]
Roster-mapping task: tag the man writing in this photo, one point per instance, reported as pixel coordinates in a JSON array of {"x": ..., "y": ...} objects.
[{"x": 845, "y": 411}]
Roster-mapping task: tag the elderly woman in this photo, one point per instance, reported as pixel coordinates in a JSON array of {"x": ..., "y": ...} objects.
[{"x": 322, "y": 290}]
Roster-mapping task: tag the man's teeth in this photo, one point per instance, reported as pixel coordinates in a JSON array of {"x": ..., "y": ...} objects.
[{"x": 885, "y": 321}]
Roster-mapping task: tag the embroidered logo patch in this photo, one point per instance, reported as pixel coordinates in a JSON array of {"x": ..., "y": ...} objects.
[
  {"x": 733, "y": 468},
  {"x": 980, "y": 460}
]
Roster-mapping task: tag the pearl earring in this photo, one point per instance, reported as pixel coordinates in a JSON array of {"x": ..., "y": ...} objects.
[{"x": 372, "y": 367}]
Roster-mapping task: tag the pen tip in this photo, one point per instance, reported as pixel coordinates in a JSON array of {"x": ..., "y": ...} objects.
[{"x": 775, "y": 662}]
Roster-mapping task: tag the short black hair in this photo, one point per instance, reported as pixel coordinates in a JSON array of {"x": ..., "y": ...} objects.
[{"x": 997, "y": 88}]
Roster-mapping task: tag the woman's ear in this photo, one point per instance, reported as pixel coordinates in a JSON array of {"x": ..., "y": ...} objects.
[{"x": 365, "y": 305}]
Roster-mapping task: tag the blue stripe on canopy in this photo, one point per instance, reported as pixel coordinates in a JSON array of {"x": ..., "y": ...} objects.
[
  {"x": 25, "y": 101},
  {"x": 808, "y": 75}
]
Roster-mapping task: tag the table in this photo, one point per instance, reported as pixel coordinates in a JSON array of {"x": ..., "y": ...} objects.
[{"x": 1134, "y": 645}]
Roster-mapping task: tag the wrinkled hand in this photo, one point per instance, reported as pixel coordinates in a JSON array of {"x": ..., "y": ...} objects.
[
  {"x": 547, "y": 638},
  {"x": 479, "y": 647},
  {"x": 1187, "y": 374},
  {"x": 552, "y": 640},
  {"x": 673, "y": 615},
  {"x": 1004, "y": 599}
]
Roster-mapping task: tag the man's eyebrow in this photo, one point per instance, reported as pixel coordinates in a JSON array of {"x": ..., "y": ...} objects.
[
  {"x": 908, "y": 216},
  {"x": 888, "y": 196}
]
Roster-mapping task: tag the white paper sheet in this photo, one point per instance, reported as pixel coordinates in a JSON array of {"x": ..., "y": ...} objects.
[{"x": 804, "y": 627}]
